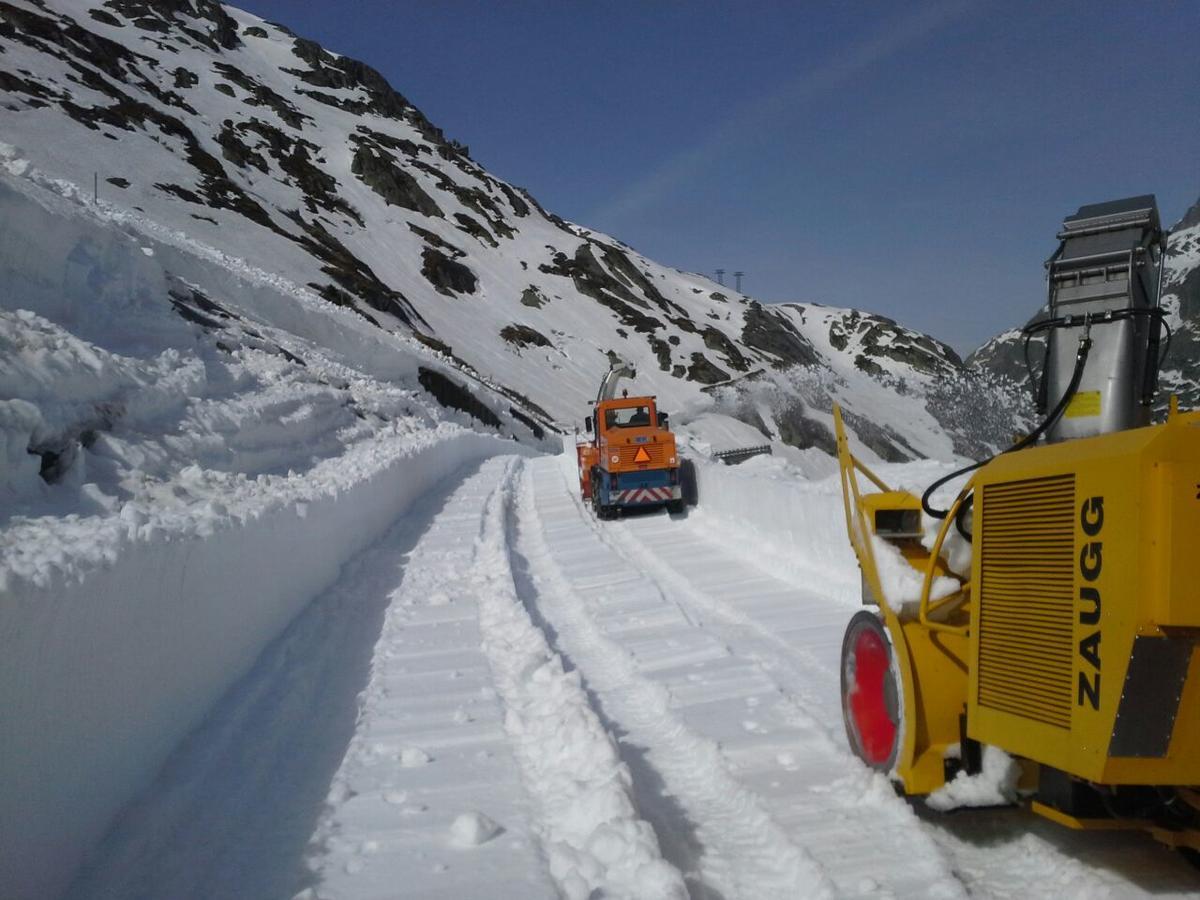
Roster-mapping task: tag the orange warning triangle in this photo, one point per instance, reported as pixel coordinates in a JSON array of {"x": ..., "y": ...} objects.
[{"x": 641, "y": 455}]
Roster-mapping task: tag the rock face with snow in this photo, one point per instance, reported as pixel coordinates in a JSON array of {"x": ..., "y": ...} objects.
[
  {"x": 267, "y": 148},
  {"x": 1003, "y": 355}
]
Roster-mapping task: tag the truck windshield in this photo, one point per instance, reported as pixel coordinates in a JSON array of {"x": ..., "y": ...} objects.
[{"x": 631, "y": 417}]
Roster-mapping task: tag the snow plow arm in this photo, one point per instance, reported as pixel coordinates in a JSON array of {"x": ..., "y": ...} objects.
[
  {"x": 929, "y": 657},
  {"x": 862, "y": 511}
]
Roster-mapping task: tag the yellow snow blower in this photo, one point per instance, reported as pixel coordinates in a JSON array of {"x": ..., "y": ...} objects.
[{"x": 1058, "y": 610}]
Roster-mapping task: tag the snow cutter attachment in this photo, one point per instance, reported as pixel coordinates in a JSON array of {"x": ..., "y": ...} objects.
[{"x": 904, "y": 677}]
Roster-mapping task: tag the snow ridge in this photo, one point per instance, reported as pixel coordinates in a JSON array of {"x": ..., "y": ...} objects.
[{"x": 593, "y": 837}]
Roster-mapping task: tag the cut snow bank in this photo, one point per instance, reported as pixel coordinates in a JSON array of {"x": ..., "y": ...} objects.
[
  {"x": 766, "y": 509},
  {"x": 113, "y": 651}
]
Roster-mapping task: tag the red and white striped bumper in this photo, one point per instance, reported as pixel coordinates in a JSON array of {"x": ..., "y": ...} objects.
[{"x": 646, "y": 495}]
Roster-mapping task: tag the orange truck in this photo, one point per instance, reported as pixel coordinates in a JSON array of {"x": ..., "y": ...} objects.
[{"x": 629, "y": 460}]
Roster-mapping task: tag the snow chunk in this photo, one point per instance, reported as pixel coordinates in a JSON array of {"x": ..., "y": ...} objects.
[
  {"x": 996, "y": 785},
  {"x": 472, "y": 829},
  {"x": 902, "y": 583},
  {"x": 412, "y": 757}
]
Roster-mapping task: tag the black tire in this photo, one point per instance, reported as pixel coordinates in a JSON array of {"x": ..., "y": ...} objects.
[
  {"x": 687, "y": 483},
  {"x": 602, "y": 512},
  {"x": 675, "y": 507},
  {"x": 871, "y": 699}
]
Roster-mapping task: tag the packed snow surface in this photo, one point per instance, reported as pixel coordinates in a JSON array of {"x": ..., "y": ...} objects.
[{"x": 505, "y": 697}]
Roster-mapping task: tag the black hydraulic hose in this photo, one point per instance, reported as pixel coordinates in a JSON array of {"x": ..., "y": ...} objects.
[{"x": 1081, "y": 355}]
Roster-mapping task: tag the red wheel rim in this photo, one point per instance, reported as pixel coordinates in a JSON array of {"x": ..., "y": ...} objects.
[{"x": 873, "y": 721}]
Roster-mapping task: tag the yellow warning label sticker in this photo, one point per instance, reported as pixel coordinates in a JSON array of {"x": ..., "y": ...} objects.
[
  {"x": 641, "y": 456},
  {"x": 1084, "y": 404}
]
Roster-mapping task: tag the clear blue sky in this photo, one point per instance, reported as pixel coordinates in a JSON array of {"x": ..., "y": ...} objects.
[{"x": 910, "y": 159}]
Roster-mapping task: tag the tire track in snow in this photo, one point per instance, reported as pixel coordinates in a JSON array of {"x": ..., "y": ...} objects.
[
  {"x": 422, "y": 778},
  {"x": 595, "y": 843},
  {"x": 739, "y": 850},
  {"x": 878, "y": 844}
]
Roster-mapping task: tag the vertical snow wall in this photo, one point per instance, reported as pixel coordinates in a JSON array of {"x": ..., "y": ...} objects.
[
  {"x": 103, "y": 672},
  {"x": 119, "y": 632}
]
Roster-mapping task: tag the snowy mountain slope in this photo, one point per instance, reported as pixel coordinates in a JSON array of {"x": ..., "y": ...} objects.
[
  {"x": 266, "y": 148},
  {"x": 1003, "y": 356}
]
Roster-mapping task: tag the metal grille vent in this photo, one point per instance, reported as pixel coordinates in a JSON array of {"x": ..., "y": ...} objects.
[{"x": 1026, "y": 598}]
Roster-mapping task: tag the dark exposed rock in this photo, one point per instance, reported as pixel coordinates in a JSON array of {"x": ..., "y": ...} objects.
[
  {"x": 592, "y": 280},
  {"x": 185, "y": 79},
  {"x": 255, "y": 31},
  {"x": 70, "y": 42},
  {"x": 432, "y": 239},
  {"x": 801, "y": 432},
  {"x": 117, "y": 181},
  {"x": 338, "y": 297},
  {"x": 534, "y": 427},
  {"x": 380, "y": 171},
  {"x": 261, "y": 95},
  {"x": 341, "y": 72},
  {"x": 477, "y": 231},
  {"x": 234, "y": 149},
  {"x": 532, "y": 297},
  {"x": 453, "y": 395},
  {"x": 473, "y": 198},
  {"x": 519, "y": 207},
  {"x": 352, "y": 274},
  {"x": 14, "y": 84},
  {"x": 219, "y": 29},
  {"x": 880, "y": 337},
  {"x": 662, "y": 352},
  {"x": 225, "y": 89},
  {"x": 433, "y": 343},
  {"x": 524, "y": 336},
  {"x": 705, "y": 372},
  {"x": 867, "y": 364},
  {"x": 624, "y": 269},
  {"x": 718, "y": 341},
  {"x": 106, "y": 18},
  {"x": 148, "y": 24},
  {"x": 771, "y": 333},
  {"x": 885, "y": 442},
  {"x": 196, "y": 307},
  {"x": 181, "y": 192},
  {"x": 408, "y": 148},
  {"x": 445, "y": 274}
]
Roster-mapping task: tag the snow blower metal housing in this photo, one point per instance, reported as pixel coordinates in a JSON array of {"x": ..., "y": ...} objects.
[
  {"x": 1103, "y": 281},
  {"x": 1069, "y": 640}
]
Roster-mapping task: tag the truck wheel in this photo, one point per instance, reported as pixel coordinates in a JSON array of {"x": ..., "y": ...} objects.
[
  {"x": 871, "y": 701},
  {"x": 675, "y": 507},
  {"x": 687, "y": 483},
  {"x": 602, "y": 512}
]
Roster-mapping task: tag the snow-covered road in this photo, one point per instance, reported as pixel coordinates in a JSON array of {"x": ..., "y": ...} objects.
[{"x": 507, "y": 698}]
